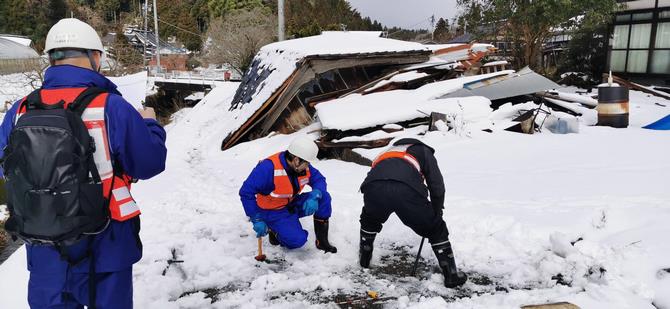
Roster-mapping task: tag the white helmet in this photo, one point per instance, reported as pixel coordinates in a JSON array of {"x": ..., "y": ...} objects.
[
  {"x": 73, "y": 33},
  {"x": 304, "y": 148}
]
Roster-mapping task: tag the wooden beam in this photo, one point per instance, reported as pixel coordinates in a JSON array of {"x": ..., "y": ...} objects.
[
  {"x": 635, "y": 86},
  {"x": 377, "y": 143}
]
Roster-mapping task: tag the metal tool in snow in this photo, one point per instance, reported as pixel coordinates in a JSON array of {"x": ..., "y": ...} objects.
[
  {"x": 260, "y": 257},
  {"x": 418, "y": 254},
  {"x": 174, "y": 260}
]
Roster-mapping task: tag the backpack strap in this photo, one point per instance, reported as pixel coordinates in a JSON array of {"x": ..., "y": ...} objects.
[
  {"x": 34, "y": 101},
  {"x": 78, "y": 106},
  {"x": 85, "y": 98}
]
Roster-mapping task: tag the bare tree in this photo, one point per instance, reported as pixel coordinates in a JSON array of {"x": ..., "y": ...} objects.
[
  {"x": 123, "y": 58},
  {"x": 236, "y": 39}
]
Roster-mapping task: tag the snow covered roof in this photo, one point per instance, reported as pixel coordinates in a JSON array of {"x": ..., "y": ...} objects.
[
  {"x": 25, "y": 41},
  {"x": 492, "y": 63},
  {"x": 138, "y": 37},
  {"x": 10, "y": 49},
  {"x": 339, "y": 43},
  {"x": 372, "y": 34},
  {"x": 281, "y": 65},
  {"x": 364, "y": 111}
]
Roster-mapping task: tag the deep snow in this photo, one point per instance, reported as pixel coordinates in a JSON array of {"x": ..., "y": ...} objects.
[{"x": 514, "y": 204}]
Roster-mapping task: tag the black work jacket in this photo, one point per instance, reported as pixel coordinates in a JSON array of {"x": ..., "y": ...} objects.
[{"x": 400, "y": 170}]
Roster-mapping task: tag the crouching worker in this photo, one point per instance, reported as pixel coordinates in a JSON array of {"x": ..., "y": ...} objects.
[
  {"x": 399, "y": 181},
  {"x": 273, "y": 200}
]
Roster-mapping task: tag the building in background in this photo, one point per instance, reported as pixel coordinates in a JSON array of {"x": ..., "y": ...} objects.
[
  {"x": 17, "y": 55},
  {"x": 639, "y": 46}
]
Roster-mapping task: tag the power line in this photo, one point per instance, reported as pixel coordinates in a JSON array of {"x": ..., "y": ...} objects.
[{"x": 182, "y": 29}]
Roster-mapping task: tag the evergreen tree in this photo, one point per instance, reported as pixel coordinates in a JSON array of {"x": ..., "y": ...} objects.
[
  {"x": 528, "y": 24},
  {"x": 441, "y": 33},
  {"x": 219, "y": 8}
]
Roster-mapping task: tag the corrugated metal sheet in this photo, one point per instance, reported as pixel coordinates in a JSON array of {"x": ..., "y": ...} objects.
[{"x": 523, "y": 82}]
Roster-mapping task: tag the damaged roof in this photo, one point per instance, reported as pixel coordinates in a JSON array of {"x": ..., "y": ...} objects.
[{"x": 280, "y": 69}]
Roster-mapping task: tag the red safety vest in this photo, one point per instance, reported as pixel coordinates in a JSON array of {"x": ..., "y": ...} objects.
[
  {"x": 283, "y": 191},
  {"x": 399, "y": 152},
  {"x": 121, "y": 204}
]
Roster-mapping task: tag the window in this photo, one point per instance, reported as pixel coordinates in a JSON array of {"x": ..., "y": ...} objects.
[
  {"x": 620, "y": 36},
  {"x": 625, "y": 17},
  {"x": 643, "y": 16},
  {"x": 663, "y": 35},
  {"x": 660, "y": 63},
  {"x": 618, "y": 61},
  {"x": 639, "y": 36},
  {"x": 637, "y": 61},
  {"x": 640, "y": 42}
]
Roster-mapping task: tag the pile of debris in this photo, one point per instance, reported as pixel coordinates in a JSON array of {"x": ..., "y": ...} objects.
[{"x": 365, "y": 90}]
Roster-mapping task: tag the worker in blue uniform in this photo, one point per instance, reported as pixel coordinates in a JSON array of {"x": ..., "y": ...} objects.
[{"x": 274, "y": 200}]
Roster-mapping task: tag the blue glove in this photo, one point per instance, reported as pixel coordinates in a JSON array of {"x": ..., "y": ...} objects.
[
  {"x": 310, "y": 206},
  {"x": 260, "y": 228},
  {"x": 315, "y": 194}
]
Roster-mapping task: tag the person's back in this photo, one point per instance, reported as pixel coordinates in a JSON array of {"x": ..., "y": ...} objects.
[
  {"x": 400, "y": 181},
  {"x": 128, "y": 145}
]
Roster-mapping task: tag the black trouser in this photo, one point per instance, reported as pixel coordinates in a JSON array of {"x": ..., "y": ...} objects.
[{"x": 384, "y": 197}]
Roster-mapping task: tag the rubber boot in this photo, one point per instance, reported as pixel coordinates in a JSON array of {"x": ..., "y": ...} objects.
[
  {"x": 365, "y": 249},
  {"x": 321, "y": 232},
  {"x": 445, "y": 257},
  {"x": 273, "y": 237}
]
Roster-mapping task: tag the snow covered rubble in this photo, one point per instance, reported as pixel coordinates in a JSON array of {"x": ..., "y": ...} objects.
[{"x": 514, "y": 204}]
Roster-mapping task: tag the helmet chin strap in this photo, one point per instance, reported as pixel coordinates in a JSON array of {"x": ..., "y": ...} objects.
[{"x": 94, "y": 67}]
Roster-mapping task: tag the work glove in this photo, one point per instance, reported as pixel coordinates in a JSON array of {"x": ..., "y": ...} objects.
[
  {"x": 310, "y": 206},
  {"x": 260, "y": 228}
]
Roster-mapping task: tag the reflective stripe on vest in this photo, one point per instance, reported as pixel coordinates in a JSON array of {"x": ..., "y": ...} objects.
[
  {"x": 122, "y": 206},
  {"x": 399, "y": 152},
  {"x": 283, "y": 191}
]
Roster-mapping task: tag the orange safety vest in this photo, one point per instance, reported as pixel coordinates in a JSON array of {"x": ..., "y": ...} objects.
[
  {"x": 283, "y": 191},
  {"x": 122, "y": 206},
  {"x": 399, "y": 152}
]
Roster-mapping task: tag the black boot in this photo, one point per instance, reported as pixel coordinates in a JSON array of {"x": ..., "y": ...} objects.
[
  {"x": 321, "y": 231},
  {"x": 445, "y": 256},
  {"x": 272, "y": 236},
  {"x": 365, "y": 248}
]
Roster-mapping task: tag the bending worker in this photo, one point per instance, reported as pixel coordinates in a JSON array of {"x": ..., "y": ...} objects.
[
  {"x": 399, "y": 181},
  {"x": 273, "y": 199}
]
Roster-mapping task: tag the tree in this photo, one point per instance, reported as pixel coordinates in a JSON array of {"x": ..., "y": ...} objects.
[
  {"x": 587, "y": 53},
  {"x": 220, "y": 8},
  {"x": 441, "y": 33},
  {"x": 176, "y": 19},
  {"x": 528, "y": 24},
  {"x": 108, "y": 8},
  {"x": 236, "y": 39},
  {"x": 126, "y": 58}
]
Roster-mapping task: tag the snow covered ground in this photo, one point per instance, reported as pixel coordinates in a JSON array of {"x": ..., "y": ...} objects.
[
  {"x": 514, "y": 204},
  {"x": 14, "y": 87}
]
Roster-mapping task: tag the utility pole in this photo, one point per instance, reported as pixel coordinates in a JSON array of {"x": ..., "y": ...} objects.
[
  {"x": 144, "y": 54},
  {"x": 280, "y": 12},
  {"x": 158, "y": 41}
]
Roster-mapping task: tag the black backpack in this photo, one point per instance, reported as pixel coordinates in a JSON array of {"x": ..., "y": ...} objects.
[{"x": 54, "y": 190}]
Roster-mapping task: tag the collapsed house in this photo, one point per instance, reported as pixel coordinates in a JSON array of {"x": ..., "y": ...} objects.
[
  {"x": 286, "y": 79},
  {"x": 364, "y": 89}
]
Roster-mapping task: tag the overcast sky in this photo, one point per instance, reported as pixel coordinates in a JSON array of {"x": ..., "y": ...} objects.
[{"x": 413, "y": 14}]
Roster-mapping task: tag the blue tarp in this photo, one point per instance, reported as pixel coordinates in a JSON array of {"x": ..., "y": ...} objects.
[{"x": 663, "y": 124}]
